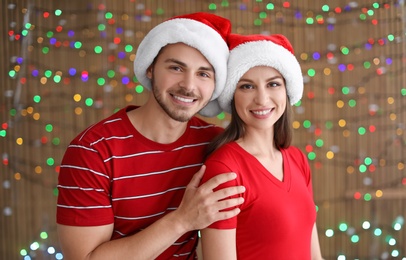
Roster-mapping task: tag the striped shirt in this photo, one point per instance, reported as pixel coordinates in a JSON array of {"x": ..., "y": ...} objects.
[{"x": 110, "y": 173}]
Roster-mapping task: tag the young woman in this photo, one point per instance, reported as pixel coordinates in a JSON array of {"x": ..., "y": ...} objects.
[{"x": 278, "y": 216}]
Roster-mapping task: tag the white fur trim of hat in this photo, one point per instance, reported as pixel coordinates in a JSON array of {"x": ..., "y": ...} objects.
[
  {"x": 248, "y": 51},
  {"x": 204, "y": 31}
]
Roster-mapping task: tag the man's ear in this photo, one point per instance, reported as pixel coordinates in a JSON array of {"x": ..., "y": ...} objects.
[{"x": 150, "y": 71}]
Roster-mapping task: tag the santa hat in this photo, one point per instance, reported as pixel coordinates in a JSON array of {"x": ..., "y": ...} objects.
[
  {"x": 248, "y": 51},
  {"x": 204, "y": 31}
]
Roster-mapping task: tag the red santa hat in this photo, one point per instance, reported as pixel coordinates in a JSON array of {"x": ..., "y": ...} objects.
[
  {"x": 204, "y": 31},
  {"x": 248, "y": 51}
]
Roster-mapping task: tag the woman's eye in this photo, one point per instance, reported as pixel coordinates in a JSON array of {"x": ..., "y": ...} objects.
[
  {"x": 274, "y": 84},
  {"x": 246, "y": 86}
]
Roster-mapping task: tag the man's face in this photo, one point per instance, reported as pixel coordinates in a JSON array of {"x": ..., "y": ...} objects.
[{"x": 182, "y": 80}]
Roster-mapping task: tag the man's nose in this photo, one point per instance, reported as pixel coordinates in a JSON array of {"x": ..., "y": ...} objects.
[{"x": 188, "y": 81}]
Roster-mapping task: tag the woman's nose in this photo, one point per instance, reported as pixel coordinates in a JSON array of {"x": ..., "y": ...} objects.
[{"x": 261, "y": 96}]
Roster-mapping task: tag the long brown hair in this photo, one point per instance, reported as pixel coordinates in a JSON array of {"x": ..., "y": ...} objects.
[{"x": 283, "y": 131}]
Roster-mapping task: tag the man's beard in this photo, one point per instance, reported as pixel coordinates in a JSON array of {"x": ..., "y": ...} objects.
[{"x": 177, "y": 114}]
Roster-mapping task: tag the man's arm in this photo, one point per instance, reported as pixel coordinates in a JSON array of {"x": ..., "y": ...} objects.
[{"x": 199, "y": 208}]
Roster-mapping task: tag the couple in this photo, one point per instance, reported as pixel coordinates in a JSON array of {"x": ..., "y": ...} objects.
[{"x": 134, "y": 186}]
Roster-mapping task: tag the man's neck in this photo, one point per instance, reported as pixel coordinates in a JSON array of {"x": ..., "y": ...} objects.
[{"x": 154, "y": 124}]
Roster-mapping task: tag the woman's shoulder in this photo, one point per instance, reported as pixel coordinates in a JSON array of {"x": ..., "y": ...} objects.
[
  {"x": 223, "y": 160},
  {"x": 227, "y": 150},
  {"x": 294, "y": 151}
]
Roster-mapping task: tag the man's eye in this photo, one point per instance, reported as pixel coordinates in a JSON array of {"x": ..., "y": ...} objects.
[
  {"x": 176, "y": 68},
  {"x": 206, "y": 75}
]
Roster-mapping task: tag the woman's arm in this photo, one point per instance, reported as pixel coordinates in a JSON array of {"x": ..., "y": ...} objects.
[
  {"x": 199, "y": 208},
  {"x": 218, "y": 244},
  {"x": 315, "y": 245}
]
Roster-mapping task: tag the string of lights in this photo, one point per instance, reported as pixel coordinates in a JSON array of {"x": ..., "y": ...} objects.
[{"x": 68, "y": 66}]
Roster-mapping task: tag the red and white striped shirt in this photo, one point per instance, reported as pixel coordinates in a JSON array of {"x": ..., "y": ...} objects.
[{"x": 110, "y": 173}]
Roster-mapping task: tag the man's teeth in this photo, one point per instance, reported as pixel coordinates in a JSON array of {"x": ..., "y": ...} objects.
[
  {"x": 261, "y": 113},
  {"x": 188, "y": 100}
]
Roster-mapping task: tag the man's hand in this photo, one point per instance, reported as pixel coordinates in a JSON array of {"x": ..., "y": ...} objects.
[{"x": 201, "y": 206}]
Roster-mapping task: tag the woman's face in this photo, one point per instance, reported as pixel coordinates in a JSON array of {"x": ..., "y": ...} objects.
[{"x": 260, "y": 97}]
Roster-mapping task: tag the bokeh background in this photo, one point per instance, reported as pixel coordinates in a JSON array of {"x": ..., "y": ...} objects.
[{"x": 67, "y": 64}]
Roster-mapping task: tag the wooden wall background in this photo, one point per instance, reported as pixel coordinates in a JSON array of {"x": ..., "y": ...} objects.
[{"x": 351, "y": 121}]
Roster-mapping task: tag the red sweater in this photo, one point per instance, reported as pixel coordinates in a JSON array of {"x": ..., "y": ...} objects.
[
  {"x": 110, "y": 173},
  {"x": 277, "y": 217}
]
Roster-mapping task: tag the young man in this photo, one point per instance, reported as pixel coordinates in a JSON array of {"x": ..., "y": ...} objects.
[{"x": 128, "y": 187}]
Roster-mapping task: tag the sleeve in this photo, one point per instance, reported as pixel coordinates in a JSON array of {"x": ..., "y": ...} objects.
[
  {"x": 308, "y": 175},
  {"x": 214, "y": 167},
  {"x": 83, "y": 188},
  {"x": 306, "y": 171}
]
